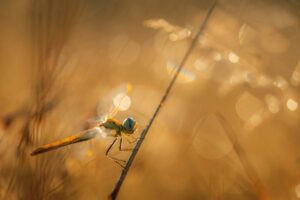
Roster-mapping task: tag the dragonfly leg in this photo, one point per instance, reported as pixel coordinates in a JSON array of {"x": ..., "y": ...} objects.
[
  {"x": 116, "y": 160},
  {"x": 132, "y": 141},
  {"x": 120, "y": 146}
]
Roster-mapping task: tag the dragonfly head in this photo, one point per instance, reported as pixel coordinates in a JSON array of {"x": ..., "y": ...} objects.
[{"x": 129, "y": 125}]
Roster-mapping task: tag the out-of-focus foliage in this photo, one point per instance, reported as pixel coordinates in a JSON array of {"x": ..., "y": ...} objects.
[{"x": 229, "y": 129}]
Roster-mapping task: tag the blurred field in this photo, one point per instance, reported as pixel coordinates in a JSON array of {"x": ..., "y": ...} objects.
[{"x": 229, "y": 129}]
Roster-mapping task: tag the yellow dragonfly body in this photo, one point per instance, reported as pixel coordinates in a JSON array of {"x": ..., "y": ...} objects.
[{"x": 120, "y": 129}]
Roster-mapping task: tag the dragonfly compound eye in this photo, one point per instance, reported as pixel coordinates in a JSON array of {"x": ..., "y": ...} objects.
[{"x": 129, "y": 124}]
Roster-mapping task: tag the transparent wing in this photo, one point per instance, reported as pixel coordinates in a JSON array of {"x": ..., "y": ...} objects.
[
  {"x": 120, "y": 102},
  {"x": 79, "y": 137}
]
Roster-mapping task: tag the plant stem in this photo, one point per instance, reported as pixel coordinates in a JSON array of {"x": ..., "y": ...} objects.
[{"x": 124, "y": 172}]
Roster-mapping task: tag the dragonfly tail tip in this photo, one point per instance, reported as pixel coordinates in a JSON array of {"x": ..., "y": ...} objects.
[{"x": 35, "y": 152}]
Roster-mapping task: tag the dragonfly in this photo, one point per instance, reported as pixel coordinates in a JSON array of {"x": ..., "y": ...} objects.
[{"x": 119, "y": 130}]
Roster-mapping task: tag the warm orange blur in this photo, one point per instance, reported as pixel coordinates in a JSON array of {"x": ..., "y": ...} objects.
[{"x": 229, "y": 129}]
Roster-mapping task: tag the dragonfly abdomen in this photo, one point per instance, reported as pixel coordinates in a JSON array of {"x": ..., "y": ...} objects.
[{"x": 80, "y": 137}]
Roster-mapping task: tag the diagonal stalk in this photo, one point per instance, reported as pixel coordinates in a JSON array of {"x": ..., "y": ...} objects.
[{"x": 136, "y": 148}]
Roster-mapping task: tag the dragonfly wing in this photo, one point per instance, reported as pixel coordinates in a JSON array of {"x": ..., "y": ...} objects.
[
  {"x": 120, "y": 97},
  {"x": 80, "y": 137}
]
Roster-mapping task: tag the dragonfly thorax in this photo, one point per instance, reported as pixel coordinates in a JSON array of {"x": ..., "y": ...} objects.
[{"x": 128, "y": 126}]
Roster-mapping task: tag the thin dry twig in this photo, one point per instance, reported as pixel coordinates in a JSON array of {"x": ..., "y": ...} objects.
[
  {"x": 51, "y": 23},
  {"x": 258, "y": 185},
  {"x": 124, "y": 172}
]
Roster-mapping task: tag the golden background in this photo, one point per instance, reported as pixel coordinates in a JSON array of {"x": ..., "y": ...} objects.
[{"x": 228, "y": 130}]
